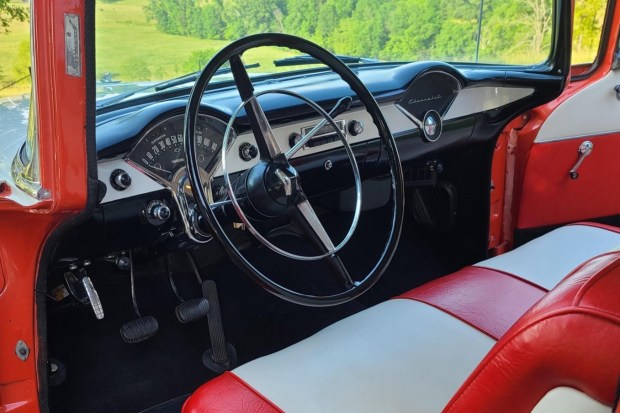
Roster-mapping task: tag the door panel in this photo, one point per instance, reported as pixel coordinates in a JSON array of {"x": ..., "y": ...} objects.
[
  {"x": 588, "y": 110},
  {"x": 589, "y": 113},
  {"x": 551, "y": 197},
  {"x": 593, "y": 110}
]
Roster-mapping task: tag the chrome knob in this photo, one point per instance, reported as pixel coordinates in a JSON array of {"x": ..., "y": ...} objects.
[
  {"x": 157, "y": 212},
  {"x": 247, "y": 151},
  {"x": 355, "y": 127},
  {"x": 161, "y": 212},
  {"x": 293, "y": 139},
  {"x": 120, "y": 180}
]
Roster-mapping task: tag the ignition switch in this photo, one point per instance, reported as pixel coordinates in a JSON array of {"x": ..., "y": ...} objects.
[{"x": 157, "y": 212}]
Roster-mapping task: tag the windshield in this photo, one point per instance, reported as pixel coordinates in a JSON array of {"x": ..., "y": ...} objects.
[{"x": 143, "y": 42}]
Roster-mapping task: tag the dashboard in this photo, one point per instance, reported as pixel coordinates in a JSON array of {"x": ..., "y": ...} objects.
[{"x": 430, "y": 107}]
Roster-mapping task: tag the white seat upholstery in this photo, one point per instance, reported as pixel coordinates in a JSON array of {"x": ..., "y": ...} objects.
[
  {"x": 546, "y": 260},
  {"x": 346, "y": 364},
  {"x": 417, "y": 350}
]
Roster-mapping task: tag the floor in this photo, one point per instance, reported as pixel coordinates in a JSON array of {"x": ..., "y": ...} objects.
[{"x": 104, "y": 374}]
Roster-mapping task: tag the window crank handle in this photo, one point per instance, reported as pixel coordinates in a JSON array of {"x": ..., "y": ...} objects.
[{"x": 584, "y": 150}]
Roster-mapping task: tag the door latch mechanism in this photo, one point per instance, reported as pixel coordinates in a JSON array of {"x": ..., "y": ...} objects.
[{"x": 584, "y": 150}]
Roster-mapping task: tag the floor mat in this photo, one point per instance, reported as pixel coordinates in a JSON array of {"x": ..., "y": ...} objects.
[
  {"x": 106, "y": 375},
  {"x": 171, "y": 406}
]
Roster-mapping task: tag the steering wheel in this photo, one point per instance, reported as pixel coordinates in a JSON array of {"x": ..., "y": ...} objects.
[{"x": 272, "y": 188}]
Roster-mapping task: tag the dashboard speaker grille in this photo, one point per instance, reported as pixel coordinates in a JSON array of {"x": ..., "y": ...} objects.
[{"x": 434, "y": 206}]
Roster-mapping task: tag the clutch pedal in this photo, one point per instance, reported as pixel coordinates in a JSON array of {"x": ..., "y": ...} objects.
[{"x": 140, "y": 329}]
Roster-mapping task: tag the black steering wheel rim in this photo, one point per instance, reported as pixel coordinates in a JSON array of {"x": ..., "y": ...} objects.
[{"x": 236, "y": 49}]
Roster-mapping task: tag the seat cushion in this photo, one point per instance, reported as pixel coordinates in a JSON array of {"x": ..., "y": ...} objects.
[
  {"x": 546, "y": 260},
  {"x": 412, "y": 353},
  {"x": 570, "y": 338},
  {"x": 488, "y": 300}
]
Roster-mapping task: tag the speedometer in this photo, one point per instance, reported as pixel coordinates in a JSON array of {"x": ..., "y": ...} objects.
[{"x": 160, "y": 150}]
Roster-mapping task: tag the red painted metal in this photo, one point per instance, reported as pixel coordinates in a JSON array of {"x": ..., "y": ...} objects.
[
  {"x": 531, "y": 158},
  {"x": 24, "y": 231},
  {"x": 552, "y": 197}
]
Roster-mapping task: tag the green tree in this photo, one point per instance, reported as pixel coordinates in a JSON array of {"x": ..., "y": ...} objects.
[
  {"x": 412, "y": 28},
  {"x": 198, "y": 59},
  {"x": 248, "y": 17},
  {"x": 134, "y": 69},
  {"x": 353, "y": 37},
  {"x": 331, "y": 13},
  {"x": 588, "y": 21},
  {"x": 212, "y": 18},
  {"x": 10, "y": 12},
  {"x": 173, "y": 16},
  {"x": 302, "y": 17}
]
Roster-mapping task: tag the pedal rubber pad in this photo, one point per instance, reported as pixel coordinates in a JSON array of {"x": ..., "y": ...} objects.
[
  {"x": 192, "y": 310},
  {"x": 139, "y": 329}
]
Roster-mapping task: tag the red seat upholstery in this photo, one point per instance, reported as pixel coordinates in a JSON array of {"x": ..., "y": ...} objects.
[{"x": 568, "y": 337}]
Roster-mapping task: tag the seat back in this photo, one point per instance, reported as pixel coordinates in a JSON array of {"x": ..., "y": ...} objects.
[{"x": 570, "y": 338}]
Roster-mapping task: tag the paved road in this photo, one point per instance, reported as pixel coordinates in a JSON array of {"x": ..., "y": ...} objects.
[{"x": 13, "y": 119}]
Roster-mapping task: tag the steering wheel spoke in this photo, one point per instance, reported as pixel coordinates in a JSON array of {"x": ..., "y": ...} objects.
[
  {"x": 268, "y": 147},
  {"x": 306, "y": 218},
  {"x": 314, "y": 227}
]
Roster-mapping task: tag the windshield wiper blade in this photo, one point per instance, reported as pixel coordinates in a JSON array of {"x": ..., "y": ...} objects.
[
  {"x": 193, "y": 76},
  {"x": 167, "y": 84},
  {"x": 311, "y": 60}
]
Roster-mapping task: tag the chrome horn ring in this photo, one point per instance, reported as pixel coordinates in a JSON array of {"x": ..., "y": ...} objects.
[{"x": 350, "y": 154}]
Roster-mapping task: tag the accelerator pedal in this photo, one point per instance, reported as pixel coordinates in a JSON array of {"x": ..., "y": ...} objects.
[
  {"x": 221, "y": 356},
  {"x": 140, "y": 329},
  {"x": 192, "y": 310}
]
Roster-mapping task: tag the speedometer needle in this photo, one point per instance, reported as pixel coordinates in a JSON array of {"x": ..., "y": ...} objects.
[{"x": 161, "y": 169}]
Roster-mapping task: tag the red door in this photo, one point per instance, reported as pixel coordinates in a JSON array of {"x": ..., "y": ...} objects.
[
  {"x": 572, "y": 170},
  {"x": 26, "y": 221}
]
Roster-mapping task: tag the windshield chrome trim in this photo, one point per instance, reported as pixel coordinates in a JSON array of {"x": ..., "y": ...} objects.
[{"x": 26, "y": 168}]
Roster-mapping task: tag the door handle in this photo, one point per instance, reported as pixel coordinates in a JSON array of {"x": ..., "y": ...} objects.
[
  {"x": 584, "y": 150},
  {"x": 617, "y": 89}
]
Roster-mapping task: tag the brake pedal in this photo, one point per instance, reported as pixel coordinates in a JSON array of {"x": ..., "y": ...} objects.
[
  {"x": 192, "y": 310},
  {"x": 142, "y": 328},
  {"x": 221, "y": 356}
]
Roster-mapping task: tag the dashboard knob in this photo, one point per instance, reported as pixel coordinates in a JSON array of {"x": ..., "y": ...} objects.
[
  {"x": 157, "y": 212},
  {"x": 161, "y": 212},
  {"x": 247, "y": 151},
  {"x": 120, "y": 180},
  {"x": 293, "y": 138},
  {"x": 355, "y": 127}
]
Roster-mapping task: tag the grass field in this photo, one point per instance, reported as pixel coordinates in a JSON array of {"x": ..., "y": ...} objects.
[
  {"x": 9, "y": 45},
  {"x": 129, "y": 47},
  {"x": 126, "y": 41},
  {"x": 132, "y": 49}
]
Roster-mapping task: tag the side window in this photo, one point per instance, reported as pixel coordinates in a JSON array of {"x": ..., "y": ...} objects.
[
  {"x": 588, "y": 24},
  {"x": 15, "y": 62}
]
